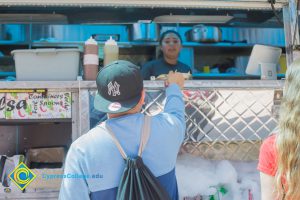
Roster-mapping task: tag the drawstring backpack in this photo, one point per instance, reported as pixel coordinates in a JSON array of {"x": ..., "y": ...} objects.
[{"x": 137, "y": 181}]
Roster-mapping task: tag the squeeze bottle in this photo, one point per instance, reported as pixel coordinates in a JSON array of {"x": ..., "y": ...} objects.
[
  {"x": 111, "y": 51},
  {"x": 90, "y": 59}
]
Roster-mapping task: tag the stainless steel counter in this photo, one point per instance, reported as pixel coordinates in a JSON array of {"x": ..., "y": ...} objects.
[
  {"x": 56, "y": 85},
  {"x": 225, "y": 119}
]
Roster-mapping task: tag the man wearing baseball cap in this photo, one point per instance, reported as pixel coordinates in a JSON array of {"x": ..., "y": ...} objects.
[{"x": 96, "y": 158}]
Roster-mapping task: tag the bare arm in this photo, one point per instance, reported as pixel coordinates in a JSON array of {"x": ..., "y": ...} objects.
[{"x": 267, "y": 185}]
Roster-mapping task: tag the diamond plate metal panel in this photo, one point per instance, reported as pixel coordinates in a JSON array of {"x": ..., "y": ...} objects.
[{"x": 222, "y": 123}]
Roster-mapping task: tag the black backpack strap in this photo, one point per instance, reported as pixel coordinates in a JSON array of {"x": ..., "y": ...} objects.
[{"x": 145, "y": 134}]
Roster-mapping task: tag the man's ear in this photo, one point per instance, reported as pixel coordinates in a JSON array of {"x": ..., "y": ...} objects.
[
  {"x": 143, "y": 96},
  {"x": 142, "y": 99}
]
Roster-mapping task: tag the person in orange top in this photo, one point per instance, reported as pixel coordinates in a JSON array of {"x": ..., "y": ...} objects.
[{"x": 279, "y": 158}]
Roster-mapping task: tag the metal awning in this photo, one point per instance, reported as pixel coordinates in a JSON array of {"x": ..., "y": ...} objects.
[{"x": 188, "y": 4}]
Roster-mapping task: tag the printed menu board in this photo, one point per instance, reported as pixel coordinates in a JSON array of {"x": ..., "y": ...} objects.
[
  {"x": 2, "y": 105},
  {"x": 37, "y": 105}
]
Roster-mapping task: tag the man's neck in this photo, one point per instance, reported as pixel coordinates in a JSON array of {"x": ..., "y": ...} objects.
[{"x": 112, "y": 115}]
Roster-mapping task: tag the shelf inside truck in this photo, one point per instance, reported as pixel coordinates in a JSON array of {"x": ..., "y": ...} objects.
[
  {"x": 229, "y": 76},
  {"x": 141, "y": 43},
  {"x": 7, "y": 74}
]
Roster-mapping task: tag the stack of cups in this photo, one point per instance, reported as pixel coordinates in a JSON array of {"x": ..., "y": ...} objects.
[{"x": 90, "y": 59}]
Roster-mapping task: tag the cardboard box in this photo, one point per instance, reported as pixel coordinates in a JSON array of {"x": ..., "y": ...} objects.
[
  {"x": 45, "y": 155},
  {"x": 46, "y": 178}
]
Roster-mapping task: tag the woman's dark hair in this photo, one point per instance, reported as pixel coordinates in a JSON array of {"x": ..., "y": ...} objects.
[{"x": 163, "y": 35}]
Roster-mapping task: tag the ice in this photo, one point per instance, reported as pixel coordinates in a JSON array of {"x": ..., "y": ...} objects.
[{"x": 198, "y": 176}]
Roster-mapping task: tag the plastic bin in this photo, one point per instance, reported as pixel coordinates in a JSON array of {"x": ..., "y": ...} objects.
[{"x": 46, "y": 64}]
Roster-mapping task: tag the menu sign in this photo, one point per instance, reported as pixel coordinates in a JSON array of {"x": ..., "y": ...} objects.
[
  {"x": 2, "y": 105},
  {"x": 37, "y": 105}
]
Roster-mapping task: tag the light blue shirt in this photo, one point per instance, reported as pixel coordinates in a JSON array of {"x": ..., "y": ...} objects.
[{"x": 96, "y": 164}]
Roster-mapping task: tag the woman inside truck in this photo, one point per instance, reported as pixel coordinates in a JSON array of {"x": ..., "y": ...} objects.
[
  {"x": 279, "y": 159},
  {"x": 170, "y": 45}
]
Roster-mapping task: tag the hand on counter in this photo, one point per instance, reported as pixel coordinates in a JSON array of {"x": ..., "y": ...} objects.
[{"x": 175, "y": 77}]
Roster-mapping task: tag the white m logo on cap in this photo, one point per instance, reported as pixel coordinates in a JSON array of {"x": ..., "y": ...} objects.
[{"x": 113, "y": 89}]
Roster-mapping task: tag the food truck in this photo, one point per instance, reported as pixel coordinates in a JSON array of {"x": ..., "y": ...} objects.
[{"x": 46, "y": 101}]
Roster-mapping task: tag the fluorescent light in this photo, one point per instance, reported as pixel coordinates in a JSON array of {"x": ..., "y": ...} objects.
[
  {"x": 207, "y": 19},
  {"x": 33, "y": 18}
]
